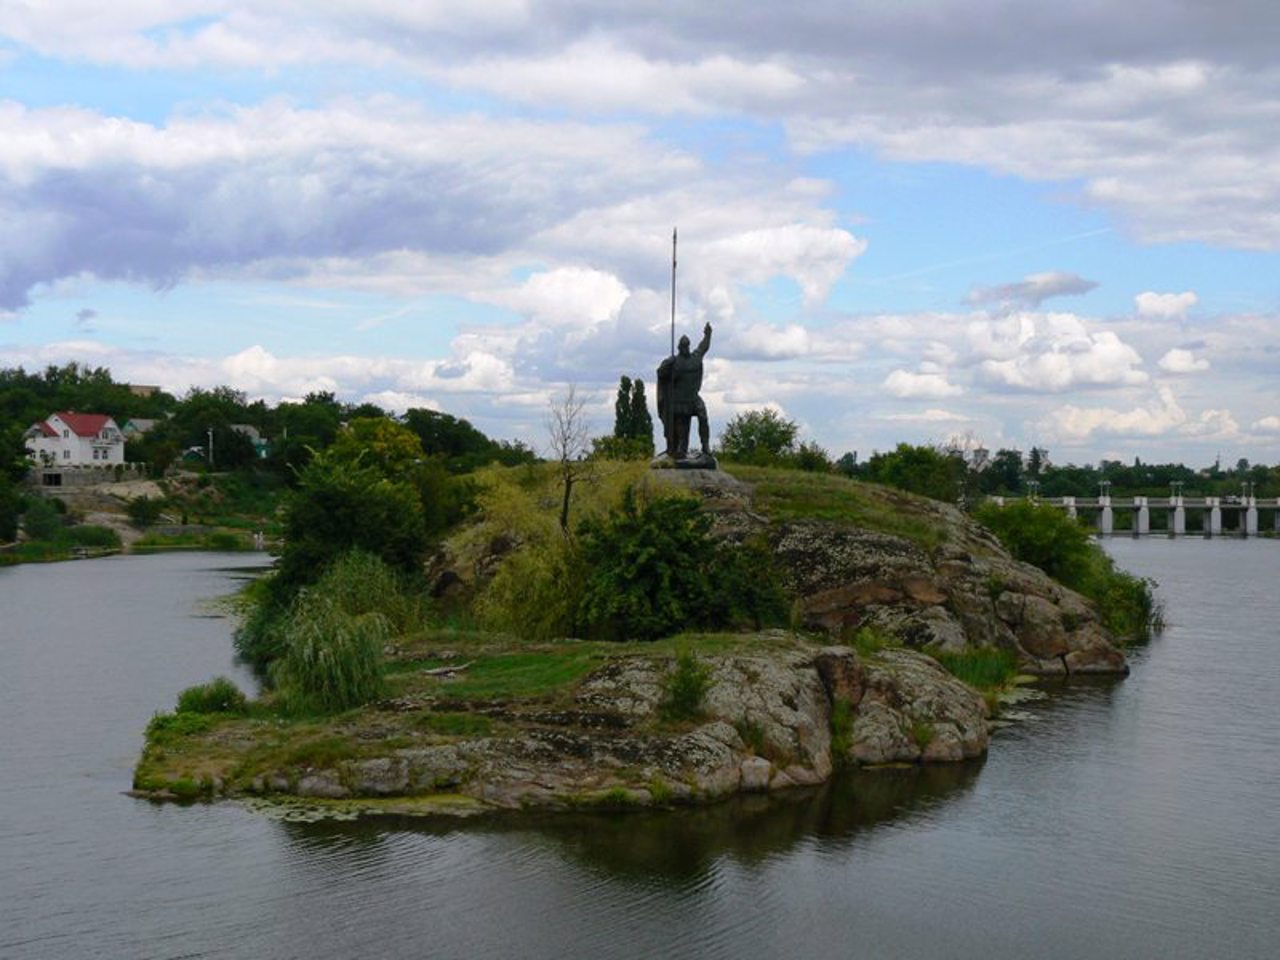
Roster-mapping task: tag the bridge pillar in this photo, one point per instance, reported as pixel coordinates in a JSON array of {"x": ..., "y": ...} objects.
[
  {"x": 1070, "y": 504},
  {"x": 1142, "y": 518},
  {"x": 1178, "y": 526},
  {"x": 1213, "y": 525},
  {"x": 1105, "y": 518},
  {"x": 1251, "y": 519}
]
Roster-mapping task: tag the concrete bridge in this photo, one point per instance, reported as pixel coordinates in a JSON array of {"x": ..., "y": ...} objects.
[{"x": 1243, "y": 514}]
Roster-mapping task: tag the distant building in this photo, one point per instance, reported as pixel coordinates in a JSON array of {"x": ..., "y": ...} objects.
[
  {"x": 70, "y": 439},
  {"x": 137, "y": 426},
  {"x": 261, "y": 446},
  {"x": 143, "y": 389}
]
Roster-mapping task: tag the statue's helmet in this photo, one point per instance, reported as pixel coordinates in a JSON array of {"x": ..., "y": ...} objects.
[{"x": 684, "y": 344}]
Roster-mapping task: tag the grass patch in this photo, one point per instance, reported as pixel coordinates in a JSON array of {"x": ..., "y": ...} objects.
[
  {"x": 869, "y": 641},
  {"x": 922, "y": 733},
  {"x": 797, "y": 495},
  {"x": 985, "y": 668},
  {"x": 219, "y": 695},
  {"x": 508, "y": 675}
]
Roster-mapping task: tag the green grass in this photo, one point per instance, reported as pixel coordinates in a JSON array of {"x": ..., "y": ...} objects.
[
  {"x": 869, "y": 641},
  {"x": 985, "y": 668},
  {"x": 797, "y": 495},
  {"x": 504, "y": 675}
]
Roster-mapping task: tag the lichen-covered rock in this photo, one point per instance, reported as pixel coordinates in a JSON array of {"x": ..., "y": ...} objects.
[{"x": 967, "y": 594}]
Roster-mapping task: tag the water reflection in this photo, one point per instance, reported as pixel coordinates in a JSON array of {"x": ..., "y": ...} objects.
[{"x": 683, "y": 844}]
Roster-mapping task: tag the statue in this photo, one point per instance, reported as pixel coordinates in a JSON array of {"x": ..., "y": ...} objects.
[{"x": 679, "y": 380}]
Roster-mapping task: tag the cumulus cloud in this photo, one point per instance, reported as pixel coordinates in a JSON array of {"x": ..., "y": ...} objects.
[
  {"x": 1179, "y": 360},
  {"x": 929, "y": 383},
  {"x": 1165, "y": 306},
  {"x": 932, "y": 415},
  {"x": 1159, "y": 111},
  {"x": 1267, "y": 425},
  {"x": 376, "y": 187},
  {"x": 1164, "y": 416},
  {"x": 1032, "y": 290},
  {"x": 1051, "y": 352}
]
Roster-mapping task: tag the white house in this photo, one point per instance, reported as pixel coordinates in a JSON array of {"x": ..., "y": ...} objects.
[{"x": 69, "y": 439}]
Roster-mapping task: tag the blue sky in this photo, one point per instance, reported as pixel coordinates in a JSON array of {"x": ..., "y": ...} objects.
[{"x": 903, "y": 223}]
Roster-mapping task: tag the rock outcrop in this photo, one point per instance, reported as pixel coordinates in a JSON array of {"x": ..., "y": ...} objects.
[{"x": 769, "y": 721}]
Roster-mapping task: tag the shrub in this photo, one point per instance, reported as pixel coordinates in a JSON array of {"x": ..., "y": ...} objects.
[
  {"x": 653, "y": 570},
  {"x": 144, "y": 511},
  {"x": 93, "y": 536},
  {"x": 42, "y": 520},
  {"x": 536, "y": 592},
  {"x": 686, "y": 688},
  {"x": 357, "y": 586},
  {"x": 1044, "y": 536},
  {"x": 332, "y": 660},
  {"x": 219, "y": 695}
]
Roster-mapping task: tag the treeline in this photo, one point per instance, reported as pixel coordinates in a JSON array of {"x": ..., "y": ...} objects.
[
  {"x": 956, "y": 473},
  {"x": 183, "y": 428},
  {"x": 293, "y": 431}
]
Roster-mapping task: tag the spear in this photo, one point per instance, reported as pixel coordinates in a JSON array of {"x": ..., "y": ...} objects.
[{"x": 669, "y": 426}]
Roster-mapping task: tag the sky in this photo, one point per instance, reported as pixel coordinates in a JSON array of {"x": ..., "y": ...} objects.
[{"x": 996, "y": 223}]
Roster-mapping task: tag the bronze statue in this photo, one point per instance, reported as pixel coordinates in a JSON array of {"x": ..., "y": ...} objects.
[{"x": 679, "y": 380}]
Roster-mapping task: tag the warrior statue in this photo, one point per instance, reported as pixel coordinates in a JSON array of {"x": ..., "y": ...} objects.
[{"x": 679, "y": 380}]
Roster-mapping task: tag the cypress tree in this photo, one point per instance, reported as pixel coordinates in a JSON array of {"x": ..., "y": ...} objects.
[
  {"x": 641, "y": 421},
  {"x": 622, "y": 410}
]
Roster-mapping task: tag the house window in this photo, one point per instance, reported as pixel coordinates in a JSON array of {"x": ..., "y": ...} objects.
[
  {"x": 66, "y": 434},
  {"x": 66, "y": 454}
]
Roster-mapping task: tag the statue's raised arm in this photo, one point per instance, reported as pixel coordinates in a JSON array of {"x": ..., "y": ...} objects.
[{"x": 705, "y": 343}]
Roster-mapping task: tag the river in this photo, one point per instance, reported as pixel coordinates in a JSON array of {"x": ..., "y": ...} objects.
[{"x": 1128, "y": 819}]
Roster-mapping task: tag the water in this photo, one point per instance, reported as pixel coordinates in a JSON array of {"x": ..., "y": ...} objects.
[{"x": 1133, "y": 818}]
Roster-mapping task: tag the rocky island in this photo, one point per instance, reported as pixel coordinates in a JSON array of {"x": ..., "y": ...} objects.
[{"x": 889, "y": 594}]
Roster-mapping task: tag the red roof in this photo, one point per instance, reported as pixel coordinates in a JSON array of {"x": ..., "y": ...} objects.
[
  {"x": 43, "y": 427},
  {"x": 83, "y": 424}
]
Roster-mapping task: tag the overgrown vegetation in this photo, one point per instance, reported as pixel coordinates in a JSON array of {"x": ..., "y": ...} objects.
[
  {"x": 984, "y": 668},
  {"x": 652, "y": 569},
  {"x": 1058, "y": 545},
  {"x": 686, "y": 688},
  {"x": 219, "y": 695}
]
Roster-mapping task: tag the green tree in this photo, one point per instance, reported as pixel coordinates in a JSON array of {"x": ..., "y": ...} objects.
[
  {"x": 923, "y": 470},
  {"x": 759, "y": 437},
  {"x": 641, "y": 420},
  {"x": 340, "y": 506},
  {"x": 622, "y": 419}
]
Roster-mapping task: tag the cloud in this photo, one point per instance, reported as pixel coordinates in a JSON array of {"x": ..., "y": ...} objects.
[
  {"x": 1033, "y": 289},
  {"x": 382, "y": 194},
  {"x": 1269, "y": 424},
  {"x": 1051, "y": 353},
  {"x": 1164, "y": 416},
  {"x": 1159, "y": 112},
  {"x": 932, "y": 415},
  {"x": 1165, "y": 306},
  {"x": 929, "y": 384},
  {"x": 1179, "y": 360}
]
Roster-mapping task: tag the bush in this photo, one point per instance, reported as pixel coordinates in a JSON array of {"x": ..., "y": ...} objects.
[
  {"x": 332, "y": 660},
  {"x": 653, "y": 570},
  {"x": 356, "y": 586},
  {"x": 93, "y": 536},
  {"x": 219, "y": 695},
  {"x": 144, "y": 511},
  {"x": 1061, "y": 547},
  {"x": 42, "y": 519},
  {"x": 686, "y": 688},
  {"x": 536, "y": 592},
  {"x": 984, "y": 668}
]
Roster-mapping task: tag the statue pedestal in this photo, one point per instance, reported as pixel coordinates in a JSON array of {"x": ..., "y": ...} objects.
[{"x": 697, "y": 461}]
